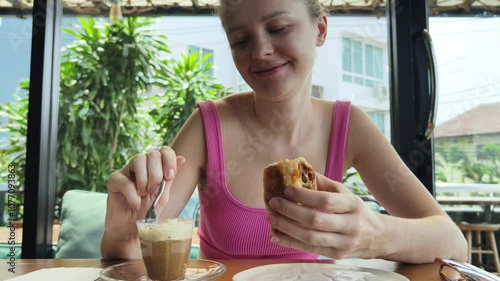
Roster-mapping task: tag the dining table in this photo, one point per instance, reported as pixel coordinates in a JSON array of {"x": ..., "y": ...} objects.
[{"x": 414, "y": 272}]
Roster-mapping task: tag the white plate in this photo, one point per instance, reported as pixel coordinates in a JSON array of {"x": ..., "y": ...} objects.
[{"x": 315, "y": 272}]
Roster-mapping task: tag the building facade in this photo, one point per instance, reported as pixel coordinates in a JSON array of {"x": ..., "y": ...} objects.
[{"x": 351, "y": 65}]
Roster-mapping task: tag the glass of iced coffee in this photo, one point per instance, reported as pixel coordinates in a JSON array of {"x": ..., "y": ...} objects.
[{"x": 166, "y": 246}]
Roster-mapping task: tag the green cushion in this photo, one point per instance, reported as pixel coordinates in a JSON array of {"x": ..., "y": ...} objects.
[
  {"x": 6, "y": 253},
  {"x": 195, "y": 249},
  {"x": 82, "y": 224}
]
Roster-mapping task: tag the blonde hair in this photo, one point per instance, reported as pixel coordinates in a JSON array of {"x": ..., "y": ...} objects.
[{"x": 314, "y": 8}]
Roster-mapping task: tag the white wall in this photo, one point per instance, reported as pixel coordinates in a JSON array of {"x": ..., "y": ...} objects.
[
  {"x": 328, "y": 68},
  {"x": 205, "y": 32}
]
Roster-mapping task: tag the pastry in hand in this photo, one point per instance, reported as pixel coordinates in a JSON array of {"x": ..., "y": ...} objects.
[{"x": 287, "y": 173}]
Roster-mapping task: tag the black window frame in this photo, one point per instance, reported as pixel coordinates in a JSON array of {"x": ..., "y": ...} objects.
[{"x": 41, "y": 143}]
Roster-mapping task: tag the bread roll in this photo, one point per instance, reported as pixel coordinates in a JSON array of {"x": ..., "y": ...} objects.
[{"x": 287, "y": 173}]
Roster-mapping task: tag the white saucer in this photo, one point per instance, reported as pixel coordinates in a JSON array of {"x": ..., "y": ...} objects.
[{"x": 315, "y": 272}]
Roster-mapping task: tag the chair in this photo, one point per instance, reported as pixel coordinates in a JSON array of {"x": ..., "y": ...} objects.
[
  {"x": 82, "y": 223},
  {"x": 489, "y": 229}
]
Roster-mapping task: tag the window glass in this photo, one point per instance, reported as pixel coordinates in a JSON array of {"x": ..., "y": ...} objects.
[
  {"x": 346, "y": 55},
  {"x": 369, "y": 60},
  {"x": 15, "y": 58},
  {"x": 358, "y": 57},
  {"x": 358, "y": 81},
  {"x": 377, "y": 63},
  {"x": 359, "y": 43},
  {"x": 366, "y": 63},
  {"x": 467, "y": 133}
]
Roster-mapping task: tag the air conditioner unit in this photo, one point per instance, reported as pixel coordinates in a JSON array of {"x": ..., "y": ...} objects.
[
  {"x": 317, "y": 91},
  {"x": 381, "y": 92}
]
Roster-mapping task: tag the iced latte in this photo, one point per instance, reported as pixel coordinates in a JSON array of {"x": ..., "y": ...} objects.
[{"x": 166, "y": 246}]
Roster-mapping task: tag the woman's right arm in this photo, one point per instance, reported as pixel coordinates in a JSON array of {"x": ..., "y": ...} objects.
[{"x": 133, "y": 188}]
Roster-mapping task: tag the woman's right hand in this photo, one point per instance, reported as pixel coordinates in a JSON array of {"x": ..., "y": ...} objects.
[{"x": 133, "y": 188}]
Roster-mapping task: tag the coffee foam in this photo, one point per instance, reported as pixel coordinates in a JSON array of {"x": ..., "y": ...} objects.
[{"x": 172, "y": 229}]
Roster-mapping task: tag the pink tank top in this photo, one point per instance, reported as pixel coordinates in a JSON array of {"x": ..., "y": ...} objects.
[{"x": 229, "y": 229}]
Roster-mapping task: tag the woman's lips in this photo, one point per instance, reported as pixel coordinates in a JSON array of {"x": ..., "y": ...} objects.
[{"x": 271, "y": 71}]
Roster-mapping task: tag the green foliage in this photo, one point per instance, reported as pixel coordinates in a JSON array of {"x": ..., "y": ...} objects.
[
  {"x": 454, "y": 154},
  {"x": 456, "y": 167},
  {"x": 486, "y": 171},
  {"x": 105, "y": 113},
  {"x": 186, "y": 83},
  {"x": 104, "y": 76},
  {"x": 13, "y": 149},
  {"x": 448, "y": 171}
]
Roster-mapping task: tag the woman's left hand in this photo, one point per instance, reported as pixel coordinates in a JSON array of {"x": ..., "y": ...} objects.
[{"x": 336, "y": 223}]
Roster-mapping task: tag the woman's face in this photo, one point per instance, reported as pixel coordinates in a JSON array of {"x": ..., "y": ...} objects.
[{"x": 273, "y": 43}]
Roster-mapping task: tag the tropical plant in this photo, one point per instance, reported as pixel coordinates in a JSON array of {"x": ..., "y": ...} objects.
[
  {"x": 15, "y": 115},
  {"x": 454, "y": 165},
  {"x": 13, "y": 149},
  {"x": 487, "y": 171},
  {"x": 105, "y": 74},
  {"x": 105, "y": 101},
  {"x": 447, "y": 171},
  {"x": 493, "y": 151},
  {"x": 186, "y": 83}
]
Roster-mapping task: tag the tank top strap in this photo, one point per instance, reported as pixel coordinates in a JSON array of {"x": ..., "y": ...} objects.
[
  {"x": 338, "y": 140},
  {"x": 213, "y": 138}
]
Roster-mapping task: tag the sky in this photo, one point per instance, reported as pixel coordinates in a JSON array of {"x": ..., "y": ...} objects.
[{"x": 468, "y": 57}]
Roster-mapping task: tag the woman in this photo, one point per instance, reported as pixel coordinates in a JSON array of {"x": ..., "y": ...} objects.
[{"x": 224, "y": 147}]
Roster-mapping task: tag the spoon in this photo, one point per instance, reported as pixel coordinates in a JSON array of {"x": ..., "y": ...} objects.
[{"x": 151, "y": 214}]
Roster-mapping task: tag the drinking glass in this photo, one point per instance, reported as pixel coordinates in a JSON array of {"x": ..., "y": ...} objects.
[{"x": 166, "y": 247}]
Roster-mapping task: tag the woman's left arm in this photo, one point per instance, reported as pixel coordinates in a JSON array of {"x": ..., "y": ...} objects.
[{"x": 416, "y": 231}]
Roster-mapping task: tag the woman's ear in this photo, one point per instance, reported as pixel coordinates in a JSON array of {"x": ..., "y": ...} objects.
[{"x": 322, "y": 30}]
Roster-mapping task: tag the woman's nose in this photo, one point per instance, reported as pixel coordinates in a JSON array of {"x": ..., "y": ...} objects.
[{"x": 262, "y": 48}]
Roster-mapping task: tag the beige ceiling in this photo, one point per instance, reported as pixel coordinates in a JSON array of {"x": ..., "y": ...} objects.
[{"x": 134, "y": 7}]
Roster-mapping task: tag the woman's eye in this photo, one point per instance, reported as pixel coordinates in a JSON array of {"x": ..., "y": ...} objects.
[
  {"x": 278, "y": 30},
  {"x": 241, "y": 42}
]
